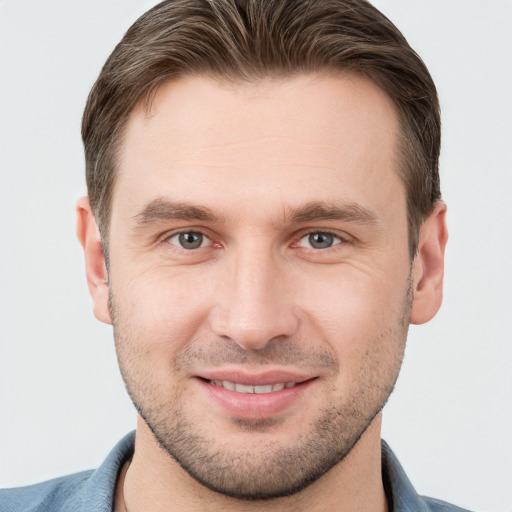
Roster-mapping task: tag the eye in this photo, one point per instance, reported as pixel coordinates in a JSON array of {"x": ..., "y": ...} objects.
[
  {"x": 319, "y": 240},
  {"x": 188, "y": 240}
]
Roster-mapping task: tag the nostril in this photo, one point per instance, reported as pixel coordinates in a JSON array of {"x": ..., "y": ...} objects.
[{"x": 254, "y": 328}]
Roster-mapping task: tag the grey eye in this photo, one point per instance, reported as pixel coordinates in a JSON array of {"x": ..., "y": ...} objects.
[
  {"x": 188, "y": 240},
  {"x": 319, "y": 240}
]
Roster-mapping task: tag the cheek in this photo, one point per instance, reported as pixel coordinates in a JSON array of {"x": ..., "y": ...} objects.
[
  {"x": 360, "y": 315},
  {"x": 156, "y": 317}
]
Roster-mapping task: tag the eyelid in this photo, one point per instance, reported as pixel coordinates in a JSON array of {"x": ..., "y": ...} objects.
[
  {"x": 337, "y": 239},
  {"x": 203, "y": 243},
  {"x": 165, "y": 238},
  {"x": 342, "y": 235},
  {"x": 342, "y": 238}
]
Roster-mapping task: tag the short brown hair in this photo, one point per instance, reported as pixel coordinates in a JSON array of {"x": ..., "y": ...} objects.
[{"x": 249, "y": 40}]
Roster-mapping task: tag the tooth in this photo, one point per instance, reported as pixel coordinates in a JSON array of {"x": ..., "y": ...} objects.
[
  {"x": 228, "y": 385},
  {"x": 242, "y": 388},
  {"x": 263, "y": 389}
]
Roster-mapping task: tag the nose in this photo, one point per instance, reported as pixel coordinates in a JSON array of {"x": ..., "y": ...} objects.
[{"x": 253, "y": 305}]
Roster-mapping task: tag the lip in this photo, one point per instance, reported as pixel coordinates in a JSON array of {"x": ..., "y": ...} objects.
[
  {"x": 256, "y": 379},
  {"x": 254, "y": 406}
]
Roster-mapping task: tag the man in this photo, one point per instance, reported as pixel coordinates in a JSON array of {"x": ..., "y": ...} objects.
[{"x": 264, "y": 221}]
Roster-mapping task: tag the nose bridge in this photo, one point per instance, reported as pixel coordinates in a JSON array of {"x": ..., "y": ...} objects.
[
  {"x": 255, "y": 307},
  {"x": 254, "y": 284}
]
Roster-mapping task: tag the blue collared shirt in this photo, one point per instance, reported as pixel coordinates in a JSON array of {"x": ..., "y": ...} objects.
[{"x": 94, "y": 491}]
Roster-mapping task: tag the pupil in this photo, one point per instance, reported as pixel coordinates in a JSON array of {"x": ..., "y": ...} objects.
[
  {"x": 191, "y": 240},
  {"x": 320, "y": 240}
]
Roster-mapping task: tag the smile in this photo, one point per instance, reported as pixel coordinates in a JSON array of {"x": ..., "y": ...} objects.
[
  {"x": 253, "y": 397},
  {"x": 244, "y": 388}
]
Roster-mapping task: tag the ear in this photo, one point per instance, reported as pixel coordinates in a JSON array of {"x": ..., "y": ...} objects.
[
  {"x": 95, "y": 268},
  {"x": 428, "y": 266}
]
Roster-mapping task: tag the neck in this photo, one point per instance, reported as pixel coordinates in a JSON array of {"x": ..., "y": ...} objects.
[{"x": 154, "y": 477}]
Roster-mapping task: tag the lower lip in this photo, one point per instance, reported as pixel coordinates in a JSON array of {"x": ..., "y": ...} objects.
[{"x": 255, "y": 405}]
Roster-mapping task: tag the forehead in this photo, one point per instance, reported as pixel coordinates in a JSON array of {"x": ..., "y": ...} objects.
[{"x": 294, "y": 138}]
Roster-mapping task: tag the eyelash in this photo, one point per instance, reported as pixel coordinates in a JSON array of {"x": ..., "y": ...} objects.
[
  {"x": 168, "y": 238},
  {"x": 308, "y": 235},
  {"x": 338, "y": 240}
]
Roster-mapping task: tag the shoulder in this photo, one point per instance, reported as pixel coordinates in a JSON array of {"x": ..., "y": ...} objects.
[
  {"x": 88, "y": 491},
  {"x": 435, "y": 505},
  {"x": 54, "y": 495},
  {"x": 401, "y": 492}
]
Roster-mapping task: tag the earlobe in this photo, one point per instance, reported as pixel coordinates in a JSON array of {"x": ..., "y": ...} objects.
[
  {"x": 95, "y": 268},
  {"x": 428, "y": 266}
]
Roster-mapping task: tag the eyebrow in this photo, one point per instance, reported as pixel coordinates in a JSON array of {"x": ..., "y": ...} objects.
[
  {"x": 161, "y": 209},
  {"x": 319, "y": 210}
]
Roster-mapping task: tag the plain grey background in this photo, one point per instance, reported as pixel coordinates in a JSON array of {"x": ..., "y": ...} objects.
[{"x": 62, "y": 402}]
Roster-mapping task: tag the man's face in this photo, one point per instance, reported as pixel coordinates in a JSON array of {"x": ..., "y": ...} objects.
[{"x": 259, "y": 274}]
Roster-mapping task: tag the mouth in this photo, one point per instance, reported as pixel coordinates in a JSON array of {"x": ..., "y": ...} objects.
[
  {"x": 259, "y": 390},
  {"x": 244, "y": 396}
]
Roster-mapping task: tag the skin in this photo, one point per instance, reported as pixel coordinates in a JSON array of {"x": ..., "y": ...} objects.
[{"x": 256, "y": 295}]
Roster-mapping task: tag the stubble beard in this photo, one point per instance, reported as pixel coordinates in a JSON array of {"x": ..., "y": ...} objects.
[{"x": 272, "y": 471}]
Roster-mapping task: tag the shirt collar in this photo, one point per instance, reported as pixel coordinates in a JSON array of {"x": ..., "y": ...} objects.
[
  {"x": 99, "y": 491},
  {"x": 400, "y": 493}
]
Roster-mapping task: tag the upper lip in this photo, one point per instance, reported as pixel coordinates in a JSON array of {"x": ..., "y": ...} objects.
[{"x": 256, "y": 379}]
